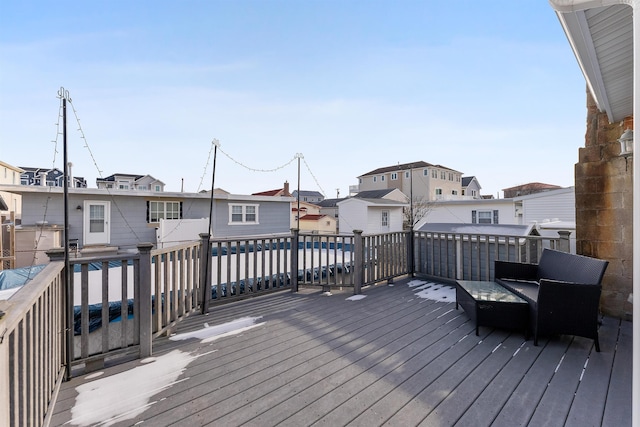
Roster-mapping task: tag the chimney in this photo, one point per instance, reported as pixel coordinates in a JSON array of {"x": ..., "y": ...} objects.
[
  {"x": 286, "y": 189},
  {"x": 43, "y": 179}
]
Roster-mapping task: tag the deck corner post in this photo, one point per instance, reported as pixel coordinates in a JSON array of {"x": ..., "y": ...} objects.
[
  {"x": 295, "y": 252},
  {"x": 205, "y": 278},
  {"x": 564, "y": 243},
  {"x": 146, "y": 334},
  {"x": 410, "y": 250},
  {"x": 358, "y": 260}
]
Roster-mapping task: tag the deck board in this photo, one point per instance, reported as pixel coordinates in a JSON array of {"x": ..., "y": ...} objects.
[{"x": 391, "y": 358}]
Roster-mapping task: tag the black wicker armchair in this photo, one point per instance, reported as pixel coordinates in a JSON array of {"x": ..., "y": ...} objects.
[{"x": 563, "y": 291}]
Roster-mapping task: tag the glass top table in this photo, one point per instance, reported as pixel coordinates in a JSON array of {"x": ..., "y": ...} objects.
[{"x": 489, "y": 291}]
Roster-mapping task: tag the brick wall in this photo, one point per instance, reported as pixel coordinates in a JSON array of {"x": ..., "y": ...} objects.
[{"x": 604, "y": 190}]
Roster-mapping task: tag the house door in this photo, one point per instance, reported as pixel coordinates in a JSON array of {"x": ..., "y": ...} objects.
[
  {"x": 384, "y": 223},
  {"x": 96, "y": 223}
]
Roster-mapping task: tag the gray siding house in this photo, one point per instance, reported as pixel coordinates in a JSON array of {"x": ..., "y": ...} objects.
[{"x": 122, "y": 219}]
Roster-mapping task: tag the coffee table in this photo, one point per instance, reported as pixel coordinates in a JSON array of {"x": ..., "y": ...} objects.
[{"x": 489, "y": 304}]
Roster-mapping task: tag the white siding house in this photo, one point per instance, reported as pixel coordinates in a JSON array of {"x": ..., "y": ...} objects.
[
  {"x": 372, "y": 216},
  {"x": 122, "y": 219}
]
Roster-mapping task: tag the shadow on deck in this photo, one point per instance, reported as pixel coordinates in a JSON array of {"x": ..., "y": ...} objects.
[{"x": 392, "y": 357}]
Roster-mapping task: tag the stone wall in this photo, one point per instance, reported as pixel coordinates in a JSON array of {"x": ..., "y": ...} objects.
[{"x": 604, "y": 190}]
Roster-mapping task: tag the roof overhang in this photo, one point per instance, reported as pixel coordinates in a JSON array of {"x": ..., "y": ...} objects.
[{"x": 600, "y": 33}]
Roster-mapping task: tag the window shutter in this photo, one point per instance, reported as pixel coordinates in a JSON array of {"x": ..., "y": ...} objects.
[
  {"x": 495, "y": 217},
  {"x": 180, "y": 211},
  {"x": 148, "y": 211},
  {"x": 474, "y": 217}
]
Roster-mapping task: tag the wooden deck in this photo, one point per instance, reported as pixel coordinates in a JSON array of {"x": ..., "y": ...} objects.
[{"x": 391, "y": 358}]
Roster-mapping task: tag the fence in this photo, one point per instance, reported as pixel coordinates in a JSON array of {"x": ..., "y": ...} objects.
[
  {"x": 124, "y": 301},
  {"x": 462, "y": 256},
  {"x": 32, "y": 349}
]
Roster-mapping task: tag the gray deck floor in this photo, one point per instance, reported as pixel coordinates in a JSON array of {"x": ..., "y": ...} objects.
[{"x": 391, "y": 358}]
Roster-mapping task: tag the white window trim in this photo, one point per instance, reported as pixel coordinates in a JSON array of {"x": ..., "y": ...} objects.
[
  {"x": 244, "y": 214},
  {"x": 164, "y": 202}
]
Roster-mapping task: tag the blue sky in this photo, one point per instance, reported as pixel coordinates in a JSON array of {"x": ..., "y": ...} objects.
[{"x": 488, "y": 88}]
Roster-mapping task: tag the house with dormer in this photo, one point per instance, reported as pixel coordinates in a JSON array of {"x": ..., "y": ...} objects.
[
  {"x": 49, "y": 177},
  {"x": 123, "y": 181}
]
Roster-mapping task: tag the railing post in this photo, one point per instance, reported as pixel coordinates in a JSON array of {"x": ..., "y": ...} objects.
[
  {"x": 295, "y": 253},
  {"x": 144, "y": 271},
  {"x": 410, "y": 254},
  {"x": 358, "y": 261},
  {"x": 564, "y": 244},
  {"x": 205, "y": 278},
  {"x": 58, "y": 254}
]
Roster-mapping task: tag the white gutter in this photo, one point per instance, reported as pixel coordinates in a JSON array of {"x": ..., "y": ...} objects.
[{"x": 568, "y": 6}]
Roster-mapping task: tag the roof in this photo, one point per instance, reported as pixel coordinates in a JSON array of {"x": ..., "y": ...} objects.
[
  {"x": 30, "y": 189},
  {"x": 601, "y": 36},
  {"x": 308, "y": 193},
  {"x": 329, "y": 203},
  {"x": 405, "y": 166},
  {"x": 113, "y": 177},
  {"x": 496, "y": 229},
  {"x": 533, "y": 186},
  {"x": 3, "y": 205},
  {"x": 374, "y": 194},
  {"x": 379, "y": 202},
  {"x": 466, "y": 180},
  {"x": 312, "y": 217}
]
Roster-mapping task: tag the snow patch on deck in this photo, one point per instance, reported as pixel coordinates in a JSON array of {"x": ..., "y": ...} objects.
[
  {"x": 101, "y": 401},
  {"x": 212, "y": 333},
  {"x": 433, "y": 291}
]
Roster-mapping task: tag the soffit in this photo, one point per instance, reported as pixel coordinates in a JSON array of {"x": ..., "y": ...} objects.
[{"x": 602, "y": 40}]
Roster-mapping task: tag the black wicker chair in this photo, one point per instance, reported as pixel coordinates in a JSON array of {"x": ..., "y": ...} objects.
[{"x": 563, "y": 291}]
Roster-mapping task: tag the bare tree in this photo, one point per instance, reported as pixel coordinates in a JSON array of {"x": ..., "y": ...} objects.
[{"x": 419, "y": 208}]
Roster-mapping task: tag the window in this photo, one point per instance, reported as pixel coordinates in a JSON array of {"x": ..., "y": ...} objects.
[
  {"x": 163, "y": 210},
  {"x": 385, "y": 219},
  {"x": 450, "y": 176},
  {"x": 123, "y": 185},
  {"x": 434, "y": 173},
  {"x": 484, "y": 217},
  {"x": 454, "y": 192},
  {"x": 438, "y": 192},
  {"x": 425, "y": 172},
  {"x": 443, "y": 175},
  {"x": 394, "y": 176},
  {"x": 142, "y": 187},
  {"x": 243, "y": 214},
  {"x": 406, "y": 174},
  {"x": 375, "y": 179},
  {"x": 382, "y": 178}
]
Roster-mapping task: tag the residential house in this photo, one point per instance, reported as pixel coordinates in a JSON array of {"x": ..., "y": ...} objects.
[
  {"x": 308, "y": 196},
  {"x": 123, "y": 181},
  {"x": 121, "y": 219},
  {"x": 471, "y": 187},
  {"x": 311, "y": 219},
  {"x": 373, "y": 211},
  {"x": 52, "y": 177},
  {"x": 550, "y": 212},
  {"x": 9, "y": 202},
  {"x": 418, "y": 180},
  {"x": 529, "y": 188}
]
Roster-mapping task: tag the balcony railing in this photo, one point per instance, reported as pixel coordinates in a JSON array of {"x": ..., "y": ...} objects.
[{"x": 116, "y": 305}]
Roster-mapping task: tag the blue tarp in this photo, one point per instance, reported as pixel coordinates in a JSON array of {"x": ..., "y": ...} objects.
[{"x": 10, "y": 279}]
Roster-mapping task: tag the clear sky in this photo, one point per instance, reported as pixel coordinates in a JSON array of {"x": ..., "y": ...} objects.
[{"x": 489, "y": 88}]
